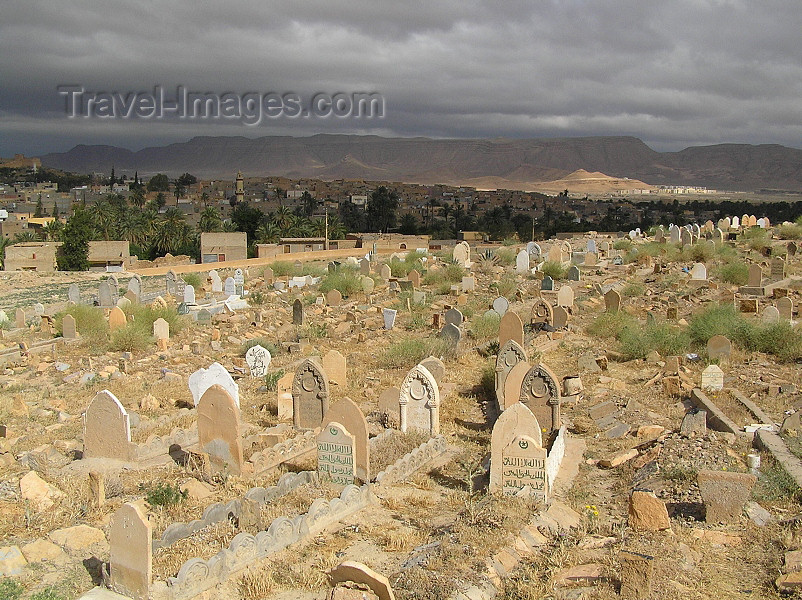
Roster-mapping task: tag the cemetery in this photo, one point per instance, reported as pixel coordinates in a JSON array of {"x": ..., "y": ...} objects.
[{"x": 593, "y": 417}]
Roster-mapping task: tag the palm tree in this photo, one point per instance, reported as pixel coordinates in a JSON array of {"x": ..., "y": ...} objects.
[
  {"x": 53, "y": 230},
  {"x": 172, "y": 231},
  {"x": 318, "y": 227},
  {"x": 4, "y": 243},
  {"x": 337, "y": 230},
  {"x": 282, "y": 217},
  {"x": 25, "y": 236},
  {"x": 205, "y": 199},
  {"x": 137, "y": 198},
  {"x": 210, "y": 220},
  {"x": 268, "y": 233}
]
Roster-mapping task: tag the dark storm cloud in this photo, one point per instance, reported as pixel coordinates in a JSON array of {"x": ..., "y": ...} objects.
[{"x": 673, "y": 73}]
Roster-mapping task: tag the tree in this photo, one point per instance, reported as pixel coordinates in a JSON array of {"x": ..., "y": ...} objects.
[
  {"x": 172, "y": 232},
  {"x": 54, "y": 212},
  {"x": 40, "y": 208},
  {"x": 382, "y": 206},
  {"x": 409, "y": 224},
  {"x": 210, "y": 220},
  {"x": 53, "y": 230},
  {"x": 75, "y": 250},
  {"x": 159, "y": 183},
  {"x": 178, "y": 190},
  {"x": 186, "y": 180},
  {"x": 112, "y": 179},
  {"x": 247, "y": 219},
  {"x": 309, "y": 203},
  {"x": 161, "y": 200},
  {"x": 25, "y": 236},
  {"x": 137, "y": 198}
]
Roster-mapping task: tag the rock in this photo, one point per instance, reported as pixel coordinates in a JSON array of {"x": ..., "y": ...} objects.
[
  {"x": 793, "y": 561},
  {"x": 649, "y": 431},
  {"x": 694, "y": 424},
  {"x": 724, "y": 494},
  {"x": 359, "y": 573},
  {"x": 149, "y": 403},
  {"x": 618, "y": 459},
  {"x": 77, "y": 537},
  {"x": 647, "y": 512},
  {"x": 40, "y": 493},
  {"x": 346, "y": 593},
  {"x": 587, "y": 363},
  {"x": 197, "y": 490},
  {"x": 718, "y": 538},
  {"x": 636, "y": 575},
  {"x": 790, "y": 582},
  {"x": 11, "y": 561},
  {"x": 589, "y": 573},
  {"x": 759, "y": 515},
  {"x": 42, "y": 550}
]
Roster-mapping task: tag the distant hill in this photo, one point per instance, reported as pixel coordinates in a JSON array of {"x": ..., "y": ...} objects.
[{"x": 513, "y": 163}]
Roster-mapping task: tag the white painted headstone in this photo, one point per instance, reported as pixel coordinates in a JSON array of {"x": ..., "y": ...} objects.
[{"x": 202, "y": 379}]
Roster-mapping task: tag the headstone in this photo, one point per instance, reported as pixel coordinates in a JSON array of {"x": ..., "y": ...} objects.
[
  {"x": 348, "y": 415},
  {"x": 540, "y": 392},
  {"x": 116, "y": 319},
  {"x": 719, "y": 347},
  {"x": 451, "y": 333},
  {"x": 74, "y": 294},
  {"x": 612, "y": 301},
  {"x": 297, "y": 312},
  {"x": 171, "y": 283},
  {"x": 219, "y": 432},
  {"x": 770, "y": 315},
  {"x": 785, "y": 306},
  {"x": 454, "y": 316},
  {"x": 68, "y": 327},
  {"x": 258, "y": 359},
  {"x": 522, "y": 262},
  {"x": 542, "y": 314},
  {"x": 161, "y": 329},
  {"x": 755, "y": 275},
  {"x": 268, "y": 275},
  {"x": 105, "y": 296},
  {"x": 694, "y": 424},
  {"x": 501, "y": 305},
  {"x": 510, "y": 328},
  {"x": 462, "y": 254},
  {"x": 130, "y": 552},
  {"x": 284, "y": 396},
  {"x": 390, "y": 407},
  {"x": 239, "y": 278},
  {"x": 699, "y": 272},
  {"x": 574, "y": 273},
  {"x": 203, "y": 379},
  {"x": 516, "y": 421},
  {"x": 230, "y": 287},
  {"x": 204, "y": 317},
  {"x": 724, "y": 494},
  {"x": 791, "y": 248},
  {"x": 385, "y": 272},
  {"x": 547, "y": 284},
  {"x": 713, "y": 378},
  {"x": 335, "y": 366},
  {"x": 510, "y": 354},
  {"x": 364, "y": 266},
  {"x": 420, "y": 401},
  {"x": 468, "y": 284},
  {"x": 560, "y": 317},
  {"x": 107, "y": 431},
  {"x": 310, "y": 395},
  {"x": 389, "y": 317},
  {"x": 334, "y": 298},
  {"x": 414, "y": 277},
  {"x": 217, "y": 283},
  {"x": 777, "y": 267},
  {"x": 368, "y": 284},
  {"x": 335, "y": 454},
  {"x": 636, "y": 575},
  {"x": 189, "y": 295},
  {"x": 565, "y": 296}
]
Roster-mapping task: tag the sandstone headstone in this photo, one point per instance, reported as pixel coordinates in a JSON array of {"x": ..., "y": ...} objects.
[
  {"x": 414, "y": 277},
  {"x": 68, "y": 327},
  {"x": 310, "y": 395},
  {"x": 777, "y": 269},
  {"x": 349, "y": 416},
  {"x": 116, "y": 319},
  {"x": 699, "y": 272},
  {"x": 513, "y": 383},
  {"x": 390, "y": 407},
  {"x": 511, "y": 328},
  {"x": 612, "y": 301},
  {"x": 107, "y": 431},
  {"x": 565, "y": 296},
  {"x": 542, "y": 314},
  {"x": 647, "y": 512},
  {"x": 335, "y": 366},
  {"x": 785, "y": 307},
  {"x": 636, "y": 575},
  {"x": 540, "y": 393},
  {"x": 297, "y": 312},
  {"x": 368, "y": 285},
  {"x": 514, "y": 422},
  {"x": 420, "y": 401},
  {"x": 719, "y": 347},
  {"x": 522, "y": 262},
  {"x": 385, "y": 272},
  {"x": 451, "y": 333},
  {"x": 335, "y": 454},
  {"x": 284, "y": 396},
  {"x": 770, "y": 315},
  {"x": 724, "y": 493},
  {"x": 334, "y": 298},
  {"x": 755, "y": 278},
  {"x": 219, "y": 433},
  {"x": 161, "y": 329},
  {"x": 258, "y": 359},
  {"x": 436, "y": 367},
  {"x": 523, "y": 469},
  {"x": 560, "y": 318},
  {"x": 130, "y": 560}
]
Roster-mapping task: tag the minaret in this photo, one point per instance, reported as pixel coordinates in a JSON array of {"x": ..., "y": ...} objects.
[{"x": 240, "y": 188}]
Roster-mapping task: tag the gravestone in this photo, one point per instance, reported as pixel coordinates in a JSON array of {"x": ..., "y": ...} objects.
[
  {"x": 436, "y": 367},
  {"x": 591, "y": 258},
  {"x": 636, "y": 575},
  {"x": 522, "y": 262},
  {"x": 335, "y": 366},
  {"x": 534, "y": 250},
  {"x": 462, "y": 254},
  {"x": 258, "y": 359},
  {"x": 510, "y": 328},
  {"x": 510, "y": 354},
  {"x": 385, "y": 272},
  {"x": 514, "y": 422},
  {"x": 189, "y": 295},
  {"x": 699, "y": 272},
  {"x": 770, "y": 315},
  {"x": 713, "y": 378},
  {"x": 560, "y": 317},
  {"x": 239, "y": 281},
  {"x": 785, "y": 306},
  {"x": 724, "y": 494},
  {"x": 574, "y": 273},
  {"x": 203, "y": 379},
  {"x": 389, "y": 317},
  {"x": 368, "y": 284},
  {"x": 74, "y": 293},
  {"x": 513, "y": 383},
  {"x": 348, "y": 415},
  {"x": 390, "y": 407},
  {"x": 107, "y": 431},
  {"x": 755, "y": 276},
  {"x": 719, "y": 347},
  {"x": 565, "y": 296},
  {"x": 68, "y": 327},
  {"x": 217, "y": 283},
  {"x": 310, "y": 395},
  {"x": 161, "y": 329},
  {"x": 171, "y": 283},
  {"x": 454, "y": 316},
  {"x": 19, "y": 320},
  {"x": 542, "y": 314},
  {"x": 540, "y": 392},
  {"x": 230, "y": 287},
  {"x": 284, "y": 396},
  {"x": 364, "y": 266},
  {"x": 204, "y": 317},
  {"x": 116, "y": 319},
  {"x": 219, "y": 432},
  {"x": 414, "y": 277},
  {"x": 268, "y": 275},
  {"x": 451, "y": 333},
  {"x": 420, "y": 401},
  {"x": 612, "y": 301},
  {"x": 501, "y": 305},
  {"x": 105, "y": 295},
  {"x": 297, "y": 312},
  {"x": 591, "y": 246},
  {"x": 523, "y": 469},
  {"x": 547, "y": 284},
  {"x": 468, "y": 284},
  {"x": 335, "y": 454},
  {"x": 334, "y": 298},
  {"x": 791, "y": 248},
  {"x": 130, "y": 552},
  {"x": 777, "y": 271}
]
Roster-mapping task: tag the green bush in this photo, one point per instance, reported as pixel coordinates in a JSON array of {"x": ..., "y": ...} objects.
[
  {"x": 271, "y": 380},
  {"x": 448, "y": 273},
  {"x": 622, "y": 244},
  {"x": 283, "y": 268},
  {"x": 90, "y": 322},
  {"x": 165, "y": 494},
  {"x": 10, "y": 589},
  {"x": 715, "y": 320},
  {"x": 259, "y": 341},
  {"x": 345, "y": 279},
  {"x": 506, "y": 286},
  {"x": 506, "y": 256},
  {"x": 780, "y": 339},
  {"x": 735, "y": 273},
  {"x": 637, "y": 341},
  {"x": 193, "y": 279},
  {"x": 130, "y": 338},
  {"x": 485, "y": 326},
  {"x": 145, "y": 315},
  {"x": 554, "y": 270},
  {"x": 49, "y": 593},
  {"x": 610, "y": 325},
  {"x": 699, "y": 252},
  {"x": 408, "y": 352},
  {"x": 789, "y": 232},
  {"x": 633, "y": 289}
]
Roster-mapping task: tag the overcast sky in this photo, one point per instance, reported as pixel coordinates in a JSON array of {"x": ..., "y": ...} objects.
[{"x": 674, "y": 73}]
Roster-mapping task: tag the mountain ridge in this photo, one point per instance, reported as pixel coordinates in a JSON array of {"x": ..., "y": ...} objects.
[{"x": 516, "y": 163}]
